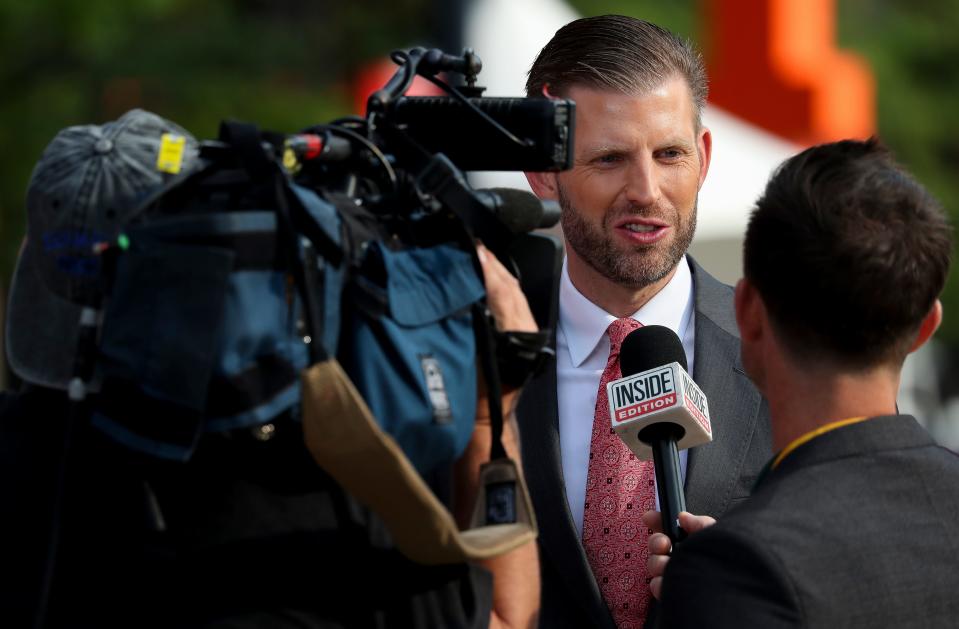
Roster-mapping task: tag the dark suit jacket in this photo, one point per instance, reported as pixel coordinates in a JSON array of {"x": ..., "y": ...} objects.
[
  {"x": 717, "y": 474},
  {"x": 856, "y": 528}
]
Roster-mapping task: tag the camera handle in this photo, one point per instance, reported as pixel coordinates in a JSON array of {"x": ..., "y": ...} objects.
[
  {"x": 426, "y": 63},
  {"x": 440, "y": 179}
]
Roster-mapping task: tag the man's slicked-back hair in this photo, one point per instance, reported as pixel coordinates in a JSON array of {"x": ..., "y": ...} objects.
[
  {"x": 620, "y": 53},
  {"x": 849, "y": 254}
]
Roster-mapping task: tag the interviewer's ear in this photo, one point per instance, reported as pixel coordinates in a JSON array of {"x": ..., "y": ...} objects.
[
  {"x": 748, "y": 311},
  {"x": 543, "y": 185},
  {"x": 928, "y": 326},
  {"x": 753, "y": 331}
]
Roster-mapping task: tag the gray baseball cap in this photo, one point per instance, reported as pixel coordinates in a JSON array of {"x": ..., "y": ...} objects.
[{"x": 90, "y": 183}]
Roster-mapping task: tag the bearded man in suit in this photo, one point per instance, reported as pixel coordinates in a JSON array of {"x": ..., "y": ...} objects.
[
  {"x": 628, "y": 217},
  {"x": 853, "y": 522}
]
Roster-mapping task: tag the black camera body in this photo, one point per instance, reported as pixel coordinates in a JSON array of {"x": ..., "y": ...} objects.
[
  {"x": 401, "y": 135},
  {"x": 445, "y": 125}
]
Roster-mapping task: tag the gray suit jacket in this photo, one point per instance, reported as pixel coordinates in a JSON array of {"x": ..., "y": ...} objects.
[
  {"x": 717, "y": 474},
  {"x": 855, "y": 528}
]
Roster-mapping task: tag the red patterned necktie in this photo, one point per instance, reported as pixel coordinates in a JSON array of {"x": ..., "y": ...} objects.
[{"x": 619, "y": 489}]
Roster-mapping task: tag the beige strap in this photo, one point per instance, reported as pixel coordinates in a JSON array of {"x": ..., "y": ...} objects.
[{"x": 346, "y": 441}]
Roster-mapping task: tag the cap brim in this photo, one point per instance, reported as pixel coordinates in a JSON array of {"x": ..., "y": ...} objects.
[{"x": 41, "y": 328}]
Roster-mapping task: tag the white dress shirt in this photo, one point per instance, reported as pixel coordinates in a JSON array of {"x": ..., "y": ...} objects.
[{"x": 582, "y": 349}]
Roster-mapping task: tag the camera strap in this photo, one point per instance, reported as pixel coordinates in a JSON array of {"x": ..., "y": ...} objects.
[
  {"x": 443, "y": 180},
  {"x": 486, "y": 349},
  {"x": 247, "y": 140},
  {"x": 292, "y": 218}
]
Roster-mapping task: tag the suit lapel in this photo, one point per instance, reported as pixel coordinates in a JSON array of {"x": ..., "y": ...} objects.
[
  {"x": 715, "y": 472},
  {"x": 559, "y": 543}
]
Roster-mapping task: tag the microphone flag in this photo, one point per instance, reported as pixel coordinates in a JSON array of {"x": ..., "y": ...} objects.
[{"x": 661, "y": 394}]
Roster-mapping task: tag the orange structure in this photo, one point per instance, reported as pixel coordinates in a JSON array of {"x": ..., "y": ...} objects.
[{"x": 775, "y": 64}]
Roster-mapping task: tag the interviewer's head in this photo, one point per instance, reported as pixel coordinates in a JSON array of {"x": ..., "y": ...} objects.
[{"x": 848, "y": 254}]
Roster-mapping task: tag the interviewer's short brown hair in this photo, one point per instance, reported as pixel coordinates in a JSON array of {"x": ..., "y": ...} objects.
[
  {"x": 849, "y": 254},
  {"x": 616, "y": 52}
]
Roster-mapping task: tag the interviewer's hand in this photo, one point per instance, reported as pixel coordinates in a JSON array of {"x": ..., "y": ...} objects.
[
  {"x": 660, "y": 546},
  {"x": 504, "y": 296}
]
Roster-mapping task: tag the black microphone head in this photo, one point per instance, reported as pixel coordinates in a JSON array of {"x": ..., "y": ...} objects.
[
  {"x": 551, "y": 214},
  {"x": 648, "y": 347},
  {"x": 520, "y": 211}
]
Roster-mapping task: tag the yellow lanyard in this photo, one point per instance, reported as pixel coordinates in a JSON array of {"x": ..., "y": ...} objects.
[{"x": 812, "y": 435}]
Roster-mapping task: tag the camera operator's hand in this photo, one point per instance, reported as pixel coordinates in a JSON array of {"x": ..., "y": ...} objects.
[
  {"x": 504, "y": 296},
  {"x": 516, "y": 587}
]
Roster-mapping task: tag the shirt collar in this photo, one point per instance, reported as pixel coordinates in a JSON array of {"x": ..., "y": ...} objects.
[{"x": 584, "y": 323}]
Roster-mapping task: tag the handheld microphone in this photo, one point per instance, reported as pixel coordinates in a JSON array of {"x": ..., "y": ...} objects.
[{"x": 657, "y": 409}]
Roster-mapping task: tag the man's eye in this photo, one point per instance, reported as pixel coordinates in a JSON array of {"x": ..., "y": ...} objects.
[
  {"x": 670, "y": 153},
  {"x": 611, "y": 158}
]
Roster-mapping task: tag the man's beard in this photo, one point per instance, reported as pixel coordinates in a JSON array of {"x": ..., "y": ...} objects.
[{"x": 637, "y": 267}]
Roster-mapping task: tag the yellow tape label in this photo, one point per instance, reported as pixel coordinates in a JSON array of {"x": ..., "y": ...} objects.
[{"x": 170, "y": 158}]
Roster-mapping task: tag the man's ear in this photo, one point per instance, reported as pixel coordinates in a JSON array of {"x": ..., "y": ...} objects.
[
  {"x": 705, "y": 148},
  {"x": 544, "y": 185},
  {"x": 753, "y": 332},
  {"x": 928, "y": 326},
  {"x": 749, "y": 311}
]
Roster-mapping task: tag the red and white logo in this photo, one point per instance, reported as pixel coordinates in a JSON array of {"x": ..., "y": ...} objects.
[{"x": 662, "y": 394}]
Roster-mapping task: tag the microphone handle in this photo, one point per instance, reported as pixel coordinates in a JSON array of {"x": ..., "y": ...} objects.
[{"x": 662, "y": 438}]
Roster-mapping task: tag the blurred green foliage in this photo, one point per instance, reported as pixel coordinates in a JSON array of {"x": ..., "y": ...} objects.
[
  {"x": 285, "y": 64},
  {"x": 282, "y": 64},
  {"x": 913, "y": 48}
]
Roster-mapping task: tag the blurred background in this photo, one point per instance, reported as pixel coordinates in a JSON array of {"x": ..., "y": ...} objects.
[{"x": 785, "y": 74}]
